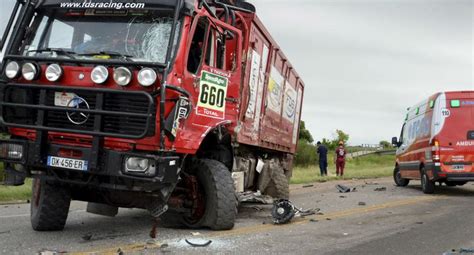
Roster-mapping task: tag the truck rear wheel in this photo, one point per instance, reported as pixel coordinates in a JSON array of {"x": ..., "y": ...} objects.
[
  {"x": 215, "y": 205},
  {"x": 279, "y": 186},
  {"x": 427, "y": 185},
  {"x": 399, "y": 180},
  {"x": 49, "y": 206}
]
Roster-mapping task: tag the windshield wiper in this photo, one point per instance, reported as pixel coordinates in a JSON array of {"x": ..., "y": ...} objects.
[
  {"x": 55, "y": 50},
  {"x": 109, "y": 53}
]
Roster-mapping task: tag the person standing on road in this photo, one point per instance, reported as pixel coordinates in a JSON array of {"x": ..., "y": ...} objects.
[
  {"x": 323, "y": 159},
  {"x": 340, "y": 159}
]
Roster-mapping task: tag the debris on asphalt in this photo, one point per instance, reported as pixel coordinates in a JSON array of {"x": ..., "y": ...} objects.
[
  {"x": 328, "y": 219},
  {"x": 257, "y": 208},
  {"x": 154, "y": 229},
  {"x": 51, "y": 252},
  {"x": 120, "y": 252},
  {"x": 5, "y": 232},
  {"x": 419, "y": 222},
  {"x": 254, "y": 197},
  {"x": 308, "y": 186},
  {"x": 87, "y": 237},
  {"x": 343, "y": 189},
  {"x": 283, "y": 211},
  {"x": 194, "y": 244},
  {"x": 380, "y": 189},
  {"x": 342, "y": 197},
  {"x": 164, "y": 246},
  {"x": 195, "y": 233},
  {"x": 313, "y": 220},
  {"x": 345, "y": 234},
  {"x": 354, "y": 189},
  {"x": 362, "y": 203},
  {"x": 371, "y": 183}
]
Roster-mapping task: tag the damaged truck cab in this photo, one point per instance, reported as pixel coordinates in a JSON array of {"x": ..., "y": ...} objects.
[{"x": 167, "y": 105}]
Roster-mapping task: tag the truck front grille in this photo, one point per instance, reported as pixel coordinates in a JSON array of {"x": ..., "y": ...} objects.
[{"x": 112, "y": 113}]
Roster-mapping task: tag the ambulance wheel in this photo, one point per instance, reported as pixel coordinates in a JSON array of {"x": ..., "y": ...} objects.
[
  {"x": 399, "y": 180},
  {"x": 279, "y": 186},
  {"x": 427, "y": 186},
  {"x": 49, "y": 206},
  {"x": 216, "y": 196}
]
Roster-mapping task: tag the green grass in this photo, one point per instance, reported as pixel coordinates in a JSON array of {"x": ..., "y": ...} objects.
[
  {"x": 371, "y": 166},
  {"x": 16, "y": 193}
]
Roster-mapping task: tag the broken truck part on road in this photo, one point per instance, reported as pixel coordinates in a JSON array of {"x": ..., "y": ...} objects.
[{"x": 166, "y": 105}]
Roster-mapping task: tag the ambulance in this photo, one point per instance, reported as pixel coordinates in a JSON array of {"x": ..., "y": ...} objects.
[{"x": 436, "y": 143}]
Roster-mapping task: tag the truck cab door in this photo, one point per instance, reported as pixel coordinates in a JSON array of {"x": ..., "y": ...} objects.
[
  {"x": 214, "y": 66},
  {"x": 8, "y": 15}
]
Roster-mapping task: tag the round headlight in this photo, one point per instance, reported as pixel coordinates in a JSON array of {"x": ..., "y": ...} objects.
[
  {"x": 147, "y": 77},
  {"x": 12, "y": 70},
  {"x": 100, "y": 74},
  {"x": 122, "y": 76},
  {"x": 54, "y": 72},
  {"x": 30, "y": 71}
]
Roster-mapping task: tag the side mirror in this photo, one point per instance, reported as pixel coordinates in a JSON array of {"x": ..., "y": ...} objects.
[{"x": 395, "y": 142}]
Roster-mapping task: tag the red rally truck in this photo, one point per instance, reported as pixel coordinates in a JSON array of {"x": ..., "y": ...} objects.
[{"x": 166, "y": 105}]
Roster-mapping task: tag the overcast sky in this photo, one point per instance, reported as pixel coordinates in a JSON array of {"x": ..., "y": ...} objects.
[{"x": 365, "y": 61}]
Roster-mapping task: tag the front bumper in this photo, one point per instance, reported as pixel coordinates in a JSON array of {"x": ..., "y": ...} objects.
[{"x": 109, "y": 173}]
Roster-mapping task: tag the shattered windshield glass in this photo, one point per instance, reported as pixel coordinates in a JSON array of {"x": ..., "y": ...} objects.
[{"x": 135, "y": 36}]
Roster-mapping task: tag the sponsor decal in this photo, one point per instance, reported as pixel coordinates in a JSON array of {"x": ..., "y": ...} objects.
[
  {"x": 88, "y": 4},
  {"x": 275, "y": 90},
  {"x": 465, "y": 143},
  {"x": 467, "y": 103},
  {"x": 297, "y": 117},
  {"x": 253, "y": 85},
  {"x": 290, "y": 104},
  {"x": 182, "y": 112},
  {"x": 212, "y": 95}
]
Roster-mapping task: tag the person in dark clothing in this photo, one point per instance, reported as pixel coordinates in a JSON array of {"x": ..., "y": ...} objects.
[{"x": 323, "y": 159}]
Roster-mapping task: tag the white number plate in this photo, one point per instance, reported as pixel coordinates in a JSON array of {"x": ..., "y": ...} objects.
[
  {"x": 67, "y": 163},
  {"x": 63, "y": 99},
  {"x": 458, "y": 167}
]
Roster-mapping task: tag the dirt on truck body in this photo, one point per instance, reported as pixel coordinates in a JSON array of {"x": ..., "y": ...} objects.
[{"x": 155, "y": 104}]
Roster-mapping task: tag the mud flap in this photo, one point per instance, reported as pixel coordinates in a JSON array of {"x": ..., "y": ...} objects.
[{"x": 12, "y": 176}]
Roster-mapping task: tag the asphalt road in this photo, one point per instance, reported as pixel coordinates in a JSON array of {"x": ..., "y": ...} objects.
[{"x": 394, "y": 221}]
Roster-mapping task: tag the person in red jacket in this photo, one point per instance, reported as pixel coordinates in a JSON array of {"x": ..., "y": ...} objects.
[{"x": 340, "y": 159}]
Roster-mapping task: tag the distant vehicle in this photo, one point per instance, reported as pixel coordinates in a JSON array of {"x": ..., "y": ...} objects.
[{"x": 437, "y": 142}]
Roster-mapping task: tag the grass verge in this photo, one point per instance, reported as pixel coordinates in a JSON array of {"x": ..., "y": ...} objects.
[
  {"x": 371, "y": 166},
  {"x": 20, "y": 193}
]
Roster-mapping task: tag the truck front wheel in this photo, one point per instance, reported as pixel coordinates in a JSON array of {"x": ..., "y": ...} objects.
[
  {"x": 49, "y": 206},
  {"x": 399, "y": 180},
  {"x": 217, "y": 186}
]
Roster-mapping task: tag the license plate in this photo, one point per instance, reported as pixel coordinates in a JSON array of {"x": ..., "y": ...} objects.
[
  {"x": 64, "y": 99},
  {"x": 74, "y": 164},
  {"x": 458, "y": 167}
]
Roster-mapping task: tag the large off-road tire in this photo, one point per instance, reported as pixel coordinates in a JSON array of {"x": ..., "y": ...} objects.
[
  {"x": 279, "y": 186},
  {"x": 399, "y": 180},
  {"x": 220, "y": 202},
  {"x": 427, "y": 186},
  {"x": 49, "y": 206}
]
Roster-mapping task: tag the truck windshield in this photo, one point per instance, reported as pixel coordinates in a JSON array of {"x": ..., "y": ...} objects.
[{"x": 139, "y": 35}]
